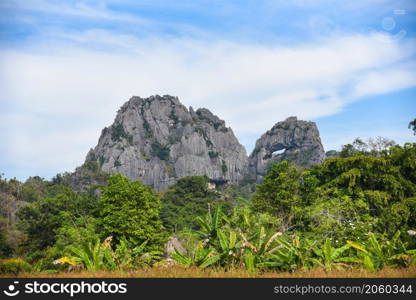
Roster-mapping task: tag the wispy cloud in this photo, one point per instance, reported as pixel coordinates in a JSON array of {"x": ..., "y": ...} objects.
[
  {"x": 84, "y": 9},
  {"x": 63, "y": 97},
  {"x": 83, "y": 59}
]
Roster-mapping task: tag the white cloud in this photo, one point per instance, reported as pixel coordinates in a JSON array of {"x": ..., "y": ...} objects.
[
  {"x": 91, "y": 10},
  {"x": 63, "y": 95},
  {"x": 395, "y": 78}
]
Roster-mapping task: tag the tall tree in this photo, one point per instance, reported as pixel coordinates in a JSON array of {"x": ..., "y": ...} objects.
[
  {"x": 412, "y": 125},
  {"x": 188, "y": 198},
  {"x": 280, "y": 191},
  {"x": 131, "y": 210}
]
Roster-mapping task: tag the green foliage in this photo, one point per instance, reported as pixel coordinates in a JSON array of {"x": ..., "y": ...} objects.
[
  {"x": 117, "y": 163},
  {"x": 201, "y": 131},
  {"x": 232, "y": 241},
  {"x": 33, "y": 189},
  {"x": 347, "y": 212},
  {"x": 14, "y": 195},
  {"x": 208, "y": 250},
  {"x": 374, "y": 255},
  {"x": 199, "y": 257},
  {"x": 345, "y": 196},
  {"x": 94, "y": 256},
  {"x": 213, "y": 154},
  {"x": 14, "y": 266},
  {"x": 131, "y": 210},
  {"x": 118, "y": 133},
  {"x": 161, "y": 151},
  {"x": 76, "y": 231},
  {"x": 88, "y": 177},
  {"x": 280, "y": 192},
  {"x": 213, "y": 122},
  {"x": 174, "y": 117},
  {"x": 5, "y": 249},
  {"x": 371, "y": 189},
  {"x": 210, "y": 224},
  {"x": 126, "y": 257},
  {"x": 374, "y": 146},
  {"x": 329, "y": 257},
  {"x": 412, "y": 126},
  {"x": 246, "y": 239},
  {"x": 40, "y": 220},
  {"x": 188, "y": 198},
  {"x": 147, "y": 128},
  {"x": 404, "y": 159},
  {"x": 224, "y": 168}
]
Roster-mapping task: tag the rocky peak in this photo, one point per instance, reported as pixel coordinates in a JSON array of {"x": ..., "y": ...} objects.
[
  {"x": 158, "y": 141},
  {"x": 293, "y": 140}
]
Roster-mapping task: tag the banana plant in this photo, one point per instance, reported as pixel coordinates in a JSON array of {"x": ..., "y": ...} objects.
[
  {"x": 258, "y": 253},
  {"x": 230, "y": 247},
  {"x": 374, "y": 255},
  {"x": 127, "y": 258},
  {"x": 294, "y": 254},
  {"x": 329, "y": 256},
  {"x": 210, "y": 224},
  {"x": 200, "y": 257},
  {"x": 92, "y": 256}
]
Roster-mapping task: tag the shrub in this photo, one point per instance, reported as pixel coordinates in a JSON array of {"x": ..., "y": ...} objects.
[
  {"x": 224, "y": 168},
  {"x": 118, "y": 133},
  {"x": 213, "y": 154},
  {"x": 5, "y": 249},
  {"x": 14, "y": 266}
]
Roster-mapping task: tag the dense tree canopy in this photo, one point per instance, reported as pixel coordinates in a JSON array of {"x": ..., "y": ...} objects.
[
  {"x": 188, "y": 198},
  {"x": 131, "y": 210},
  {"x": 344, "y": 196},
  {"x": 367, "y": 193},
  {"x": 40, "y": 220},
  {"x": 280, "y": 192}
]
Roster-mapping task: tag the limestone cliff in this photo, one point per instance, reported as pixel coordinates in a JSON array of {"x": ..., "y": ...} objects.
[
  {"x": 158, "y": 140},
  {"x": 293, "y": 140}
]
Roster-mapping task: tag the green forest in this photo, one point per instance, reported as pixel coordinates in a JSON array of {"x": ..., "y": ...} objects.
[{"x": 357, "y": 210}]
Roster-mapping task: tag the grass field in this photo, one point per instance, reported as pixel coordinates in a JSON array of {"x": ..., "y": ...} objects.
[{"x": 180, "y": 272}]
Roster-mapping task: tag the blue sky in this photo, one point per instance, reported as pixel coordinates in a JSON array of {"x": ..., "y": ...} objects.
[{"x": 67, "y": 66}]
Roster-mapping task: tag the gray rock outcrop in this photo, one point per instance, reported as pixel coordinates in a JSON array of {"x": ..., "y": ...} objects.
[
  {"x": 158, "y": 140},
  {"x": 173, "y": 243},
  {"x": 292, "y": 140}
]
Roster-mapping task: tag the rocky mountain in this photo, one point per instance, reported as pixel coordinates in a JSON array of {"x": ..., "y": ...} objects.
[
  {"x": 293, "y": 140},
  {"x": 158, "y": 140}
]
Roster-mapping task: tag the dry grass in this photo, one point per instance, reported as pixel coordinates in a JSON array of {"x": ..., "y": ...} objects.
[{"x": 180, "y": 272}]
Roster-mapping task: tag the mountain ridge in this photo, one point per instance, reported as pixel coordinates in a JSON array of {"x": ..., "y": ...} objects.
[{"x": 158, "y": 141}]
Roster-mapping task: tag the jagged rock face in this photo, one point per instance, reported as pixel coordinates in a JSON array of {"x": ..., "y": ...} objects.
[
  {"x": 293, "y": 140},
  {"x": 157, "y": 140}
]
